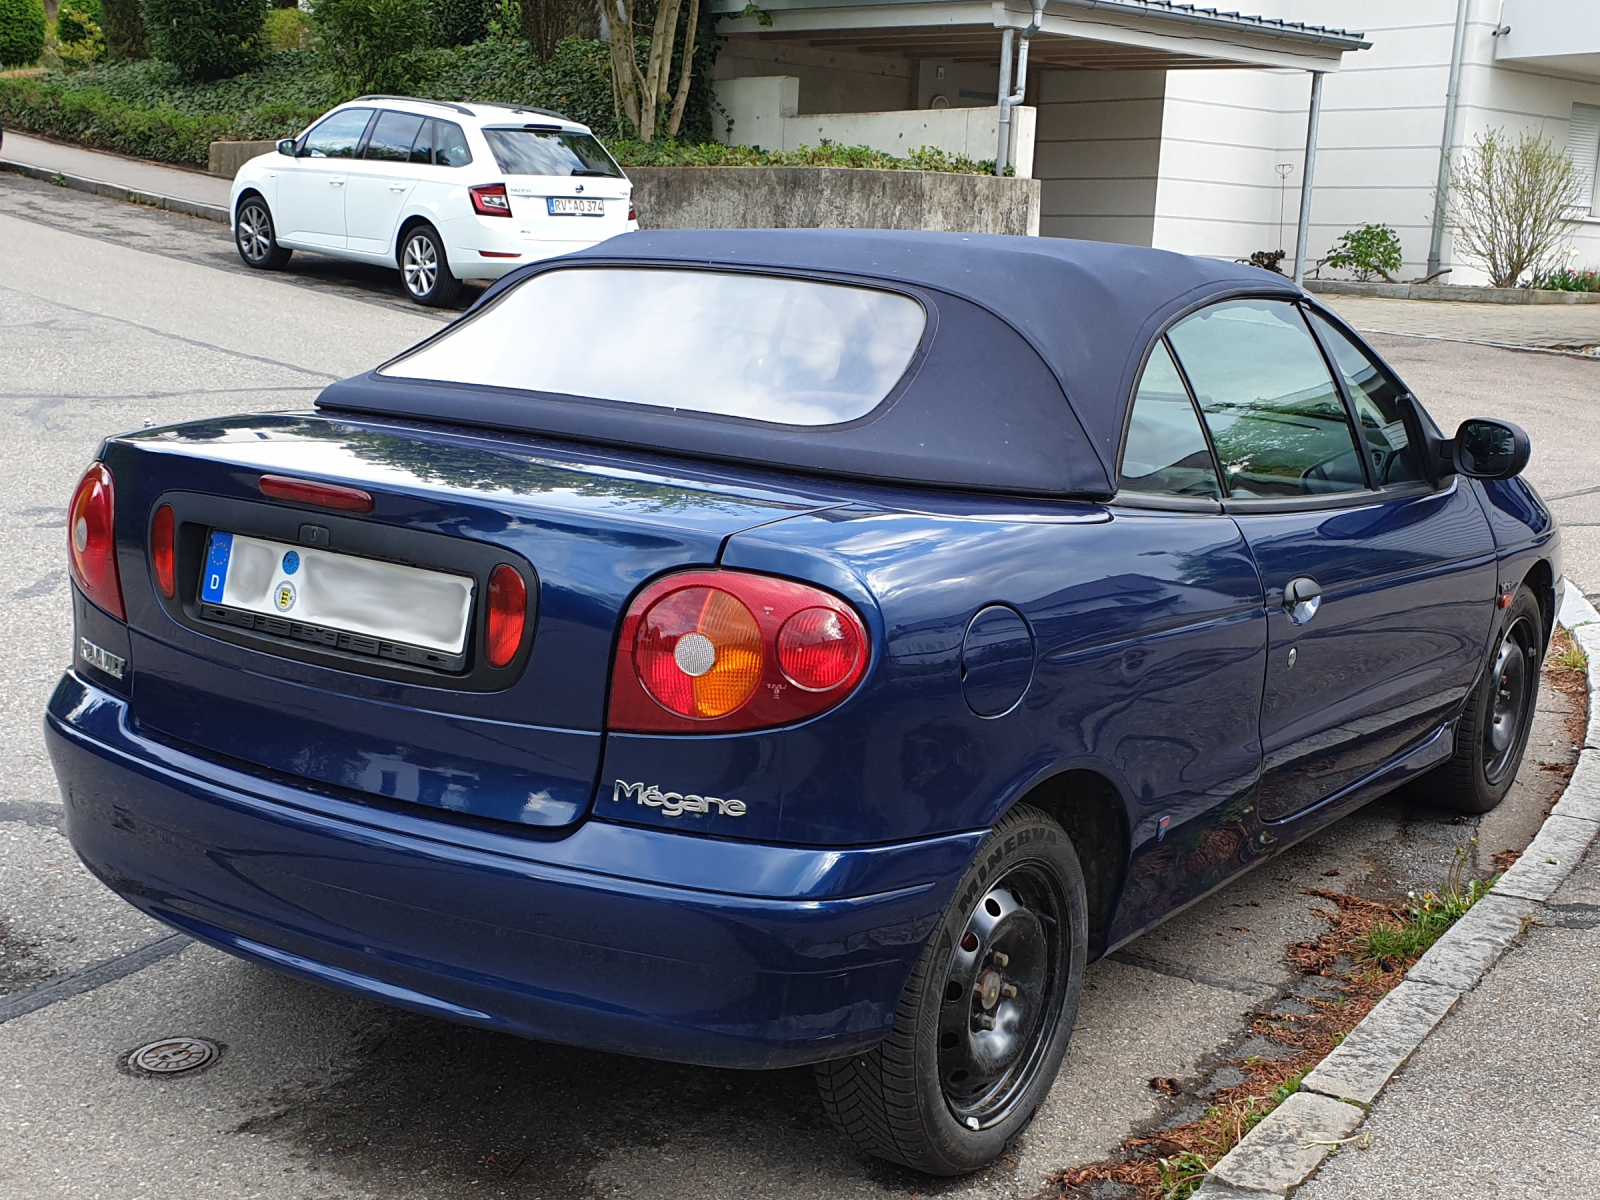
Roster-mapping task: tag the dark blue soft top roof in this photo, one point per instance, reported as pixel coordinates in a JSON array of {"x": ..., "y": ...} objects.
[{"x": 982, "y": 411}]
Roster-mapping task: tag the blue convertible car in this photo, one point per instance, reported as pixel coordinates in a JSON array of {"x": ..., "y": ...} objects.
[{"x": 767, "y": 648}]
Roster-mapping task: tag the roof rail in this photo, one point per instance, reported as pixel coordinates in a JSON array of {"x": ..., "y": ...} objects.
[
  {"x": 525, "y": 108},
  {"x": 460, "y": 108}
]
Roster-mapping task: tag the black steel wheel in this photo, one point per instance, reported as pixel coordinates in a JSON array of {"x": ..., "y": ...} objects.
[
  {"x": 425, "y": 267},
  {"x": 256, "y": 237},
  {"x": 1494, "y": 727},
  {"x": 985, "y": 1018}
]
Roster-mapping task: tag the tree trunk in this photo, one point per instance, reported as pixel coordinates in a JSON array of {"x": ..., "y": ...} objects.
[
  {"x": 617, "y": 18},
  {"x": 686, "y": 72}
]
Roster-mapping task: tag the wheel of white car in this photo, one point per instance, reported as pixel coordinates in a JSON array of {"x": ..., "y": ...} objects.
[
  {"x": 425, "y": 267},
  {"x": 255, "y": 236}
]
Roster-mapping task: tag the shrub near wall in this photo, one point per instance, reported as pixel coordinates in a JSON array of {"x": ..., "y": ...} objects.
[
  {"x": 207, "y": 39},
  {"x": 21, "y": 32}
]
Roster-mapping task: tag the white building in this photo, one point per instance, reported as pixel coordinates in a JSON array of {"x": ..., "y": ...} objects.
[{"x": 1163, "y": 124}]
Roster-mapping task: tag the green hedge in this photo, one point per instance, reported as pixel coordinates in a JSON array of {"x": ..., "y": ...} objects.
[{"x": 21, "y": 32}]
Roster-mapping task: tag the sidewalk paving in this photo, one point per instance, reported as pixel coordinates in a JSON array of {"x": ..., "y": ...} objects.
[
  {"x": 134, "y": 174},
  {"x": 1541, "y": 325}
]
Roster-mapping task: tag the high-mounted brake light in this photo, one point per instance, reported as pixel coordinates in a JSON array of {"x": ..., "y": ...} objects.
[
  {"x": 91, "y": 540},
  {"x": 164, "y": 551},
  {"x": 719, "y": 651},
  {"x": 320, "y": 495},
  {"x": 490, "y": 200},
  {"x": 508, "y": 615}
]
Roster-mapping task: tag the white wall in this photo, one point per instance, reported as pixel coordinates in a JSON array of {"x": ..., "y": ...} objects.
[
  {"x": 1098, "y": 154},
  {"x": 830, "y": 81}
]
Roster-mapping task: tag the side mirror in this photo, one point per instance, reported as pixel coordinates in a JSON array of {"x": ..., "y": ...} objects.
[
  {"x": 1484, "y": 448},
  {"x": 286, "y": 146}
]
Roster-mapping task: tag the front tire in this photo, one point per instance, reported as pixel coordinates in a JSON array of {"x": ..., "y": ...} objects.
[
  {"x": 425, "y": 268},
  {"x": 984, "y": 1020},
  {"x": 1494, "y": 727},
  {"x": 256, "y": 238}
]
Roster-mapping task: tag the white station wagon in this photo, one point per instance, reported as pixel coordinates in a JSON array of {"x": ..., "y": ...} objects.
[{"x": 444, "y": 191}]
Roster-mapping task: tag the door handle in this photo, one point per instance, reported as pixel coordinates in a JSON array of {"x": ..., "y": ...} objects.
[
  {"x": 336, "y": 183},
  {"x": 1301, "y": 598},
  {"x": 397, "y": 187}
]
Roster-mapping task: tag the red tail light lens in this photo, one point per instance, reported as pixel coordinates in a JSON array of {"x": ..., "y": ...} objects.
[
  {"x": 718, "y": 651},
  {"x": 91, "y": 540},
  {"x": 508, "y": 615},
  {"x": 164, "y": 551},
  {"x": 320, "y": 495},
  {"x": 490, "y": 200},
  {"x": 633, "y": 212}
]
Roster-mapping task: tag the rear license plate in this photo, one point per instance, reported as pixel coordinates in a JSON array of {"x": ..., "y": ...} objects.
[
  {"x": 576, "y": 206},
  {"x": 338, "y": 600}
]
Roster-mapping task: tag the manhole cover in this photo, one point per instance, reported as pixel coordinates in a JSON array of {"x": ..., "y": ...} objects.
[{"x": 173, "y": 1056}]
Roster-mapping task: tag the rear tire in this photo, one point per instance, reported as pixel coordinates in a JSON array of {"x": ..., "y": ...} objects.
[
  {"x": 1494, "y": 727},
  {"x": 985, "y": 1018},
  {"x": 425, "y": 268},
  {"x": 255, "y": 236}
]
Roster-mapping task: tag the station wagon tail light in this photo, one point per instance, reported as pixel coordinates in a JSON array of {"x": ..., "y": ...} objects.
[
  {"x": 91, "y": 540},
  {"x": 633, "y": 211},
  {"x": 508, "y": 614},
  {"x": 720, "y": 651},
  {"x": 164, "y": 551},
  {"x": 490, "y": 200}
]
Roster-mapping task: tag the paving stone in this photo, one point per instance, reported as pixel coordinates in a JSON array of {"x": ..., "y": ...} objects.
[
  {"x": 1473, "y": 944},
  {"x": 1281, "y": 1153},
  {"x": 1581, "y": 800},
  {"x": 1214, "y": 1189},
  {"x": 1375, "y": 1049},
  {"x": 1549, "y": 859}
]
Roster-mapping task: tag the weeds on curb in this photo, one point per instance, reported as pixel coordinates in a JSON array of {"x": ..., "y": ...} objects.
[{"x": 1427, "y": 916}]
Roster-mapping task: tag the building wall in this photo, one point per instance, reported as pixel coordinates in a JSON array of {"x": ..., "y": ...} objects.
[
  {"x": 1098, "y": 153},
  {"x": 829, "y": 82}
]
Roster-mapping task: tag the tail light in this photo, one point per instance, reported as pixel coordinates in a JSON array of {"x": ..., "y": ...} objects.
[
  {"x": 91, "y": 540},
  {"x": 719, "y": 651},
  {"x": 320, "y": 495},
  {"x": 490, "y": 200},
  {"x": 164, "y": 551},
  {"x": 633, "y": 212},
  {"x": 508, "y": 614}
]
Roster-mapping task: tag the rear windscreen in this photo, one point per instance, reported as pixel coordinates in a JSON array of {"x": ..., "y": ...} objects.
[
  {"x": 762, "y": 347},
  {"x": 549, "y": 152}
]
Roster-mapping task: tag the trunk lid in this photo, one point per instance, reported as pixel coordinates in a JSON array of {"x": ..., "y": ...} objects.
[{"x": 520, "y": 744}]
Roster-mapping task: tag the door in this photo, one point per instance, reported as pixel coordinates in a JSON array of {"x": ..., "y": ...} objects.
[
  {"x": 381, "y": 180},
  {"x": 311, "y": 190},
  {"x": 1379, "y": 588}
]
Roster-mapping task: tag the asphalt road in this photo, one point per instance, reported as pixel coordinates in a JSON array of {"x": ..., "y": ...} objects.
[{"x": 111, "y": 317}]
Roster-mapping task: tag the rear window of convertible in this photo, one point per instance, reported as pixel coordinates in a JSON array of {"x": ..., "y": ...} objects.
[{"x": 762, "y": 347}]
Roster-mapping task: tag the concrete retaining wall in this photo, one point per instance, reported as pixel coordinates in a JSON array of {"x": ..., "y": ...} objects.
[
  {"x": 1444, "y": 291},
  {"x": 832, "y": 198},
  {"x": 226, "y": 158}
]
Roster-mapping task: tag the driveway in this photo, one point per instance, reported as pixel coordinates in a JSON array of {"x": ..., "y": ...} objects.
[{"x": 114, "y": 317}]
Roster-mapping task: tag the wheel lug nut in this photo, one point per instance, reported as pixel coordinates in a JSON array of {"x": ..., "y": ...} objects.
[
  {"x": 986, "y": 1022},
  {"x": 1009, "y": 991},
  {"x": 1002, "y": 960}
]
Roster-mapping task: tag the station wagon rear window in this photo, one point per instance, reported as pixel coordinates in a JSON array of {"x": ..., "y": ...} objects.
[
  {"x": 549, "y": 152},
  {"x": 761, "y": 347}
]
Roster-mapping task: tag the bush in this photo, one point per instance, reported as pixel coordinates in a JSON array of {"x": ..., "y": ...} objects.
[
  {"x": 1568, "y": 280},
  {"x": 460, "y": 22},
  {"x": 80, "y": 42},
  {"x": 630, "y": 152},
  {"x": 21, "y": 32},
  {"x": 207, "y": 39},
  {"x": 373, "y": 42},
  {"x": 123, "y": 22},
  {"x": 288, "y": 29},
  {"x": 1510, "y": 203},
  {"x": 1371, "y": 251}
]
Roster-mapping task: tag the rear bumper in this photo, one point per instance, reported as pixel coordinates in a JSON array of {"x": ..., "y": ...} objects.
[{"x": 613, "y": 938}]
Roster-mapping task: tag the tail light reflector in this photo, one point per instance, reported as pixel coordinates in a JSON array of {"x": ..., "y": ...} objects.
[
  {"x": 718, "y": 651},
  {"x": 91, "y": 540},
  {"x": 490, "y": 200},
  {"x": 164, "y": 551},
  {"x": 633, "y": 211},
  {"x": 508, "y": 615},
  {"x": 319, "y": 495}
]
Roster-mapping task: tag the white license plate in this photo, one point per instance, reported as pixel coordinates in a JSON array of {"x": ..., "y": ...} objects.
[
  {"x": 576, "y": 206},
  {"x": 338, "y": 592}
]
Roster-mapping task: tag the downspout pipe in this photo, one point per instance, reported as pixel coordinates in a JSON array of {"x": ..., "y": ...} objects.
[
  {"x": 1308, "y": 176},
  {"x": 1010, "y": 100},
  {"x": 1452, "y": 98}
]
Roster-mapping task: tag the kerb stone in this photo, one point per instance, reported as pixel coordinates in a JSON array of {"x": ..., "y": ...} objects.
[
  {"x": 1471, "y": 946},
  {"x": 1374, "y": 1050},
  {"x": 1281, "y": 1153},
  {"x": 1581, "y": 800},
  {"x": 1549, "y": 859}
]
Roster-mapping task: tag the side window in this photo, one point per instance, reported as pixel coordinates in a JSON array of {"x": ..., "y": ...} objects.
[
  {"x": 1377, "y": 399},
  {"x": 1165, "y": 452},
  {"x": 392, "y": 137},
  {"x": 450, "y": 145},
  {"x": 422, "y": 148},
  {"x": 1276, "y": 418},
  {"x": 339, "y": 135}
]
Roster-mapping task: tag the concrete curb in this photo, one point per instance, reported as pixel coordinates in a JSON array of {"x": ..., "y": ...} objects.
[
  {"x": 117, "y": 191},
  {"x": 1285, "y": 1150},
  {"x": 1448, "y": 291}
]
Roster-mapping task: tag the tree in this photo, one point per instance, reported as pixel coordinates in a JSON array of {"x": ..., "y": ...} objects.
[
  {"x": 21, "y": 32},
  {"x": 1510, "y": 204},
  {"x": 546, "y": 23},
  {"x": 373, "y": 41},
  {"x": 643, "y": 95},
  {"x": 459, "y": 22},
  {"x": 207, "y": 39},
  {"x": 124, "y": 28}
]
